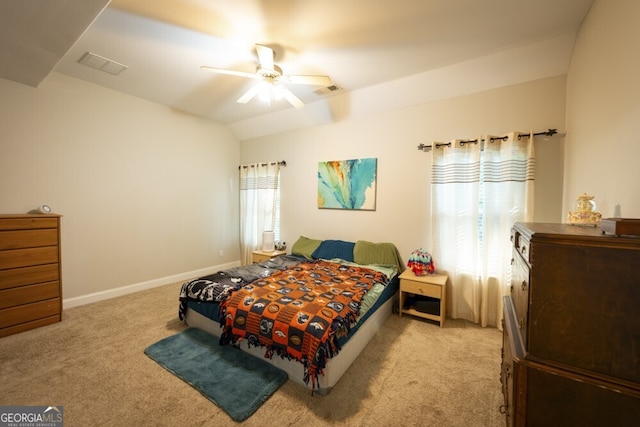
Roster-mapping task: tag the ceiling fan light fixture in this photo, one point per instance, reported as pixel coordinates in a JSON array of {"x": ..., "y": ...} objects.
[
  {"x": 272, "y": 81},
  {"x": 270, "y": 90},
  {"x": 277, "y": 91},
  {"x": 264, "y": 91}
]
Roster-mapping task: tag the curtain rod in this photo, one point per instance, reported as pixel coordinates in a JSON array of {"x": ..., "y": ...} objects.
[
  {"x": 548, "y": 132},
  {"x": 282, "y": 163}
]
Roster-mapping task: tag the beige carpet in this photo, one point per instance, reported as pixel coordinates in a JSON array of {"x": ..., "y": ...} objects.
[{"x": 413, "y": 373}]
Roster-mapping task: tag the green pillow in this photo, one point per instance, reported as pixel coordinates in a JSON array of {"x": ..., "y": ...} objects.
[{"x": 305, "y": 247}]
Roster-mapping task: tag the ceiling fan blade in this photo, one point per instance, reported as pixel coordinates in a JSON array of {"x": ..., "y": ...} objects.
[
  {"x": 310, "y": 80},
  {"x": 248, "y": 96},
  {"x": 294, "y": 100},
  {"x": 266, "y": 56},
  {"x": 229, "y": 72}
]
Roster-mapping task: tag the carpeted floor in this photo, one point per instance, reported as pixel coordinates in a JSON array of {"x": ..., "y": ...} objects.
[{"x": 413, "y": 373}]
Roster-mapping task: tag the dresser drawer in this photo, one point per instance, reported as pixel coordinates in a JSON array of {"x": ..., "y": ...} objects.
[
  {"x": 421, "y": 288},
  {"x": 506, "y": 377},
  {"x": 15, "y": 277},
  {"x": 506, "y": 372},
  {"x": 520, "y": 294},
  {"x": 514, "y": 373},
  {"x": 561, "y": 398},
  {"x": 28, "y": 222},
  {"x": 28, "y": 294},
  {"x": 29, "y": 312},
  {"x": 21, "y": 327},
  {"x": 28, "y": 238},
  {"x": 26, "y": 257},
  {"x": 521, "y": 245}
]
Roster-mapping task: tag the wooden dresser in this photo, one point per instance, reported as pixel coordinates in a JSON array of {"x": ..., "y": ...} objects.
[
  {"x": 571, "y": 341},
  {"x": 30, "y": 272}
]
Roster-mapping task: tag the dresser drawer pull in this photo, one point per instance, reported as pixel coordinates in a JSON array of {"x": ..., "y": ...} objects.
[
  {"x": 507, "y": 370},
  {"x": 523, "y": 285},
  {"x": 511, "y": 289},
  {"x": 521, "y": 323},
  {"x": 523, "y": 250},
  {"x": 505, "y": 374}
]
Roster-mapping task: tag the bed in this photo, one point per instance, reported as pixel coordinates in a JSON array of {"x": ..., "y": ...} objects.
[{"x": 310, "y": 313}]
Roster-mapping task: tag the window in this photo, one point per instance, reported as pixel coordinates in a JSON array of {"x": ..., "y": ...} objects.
[
  {"x": 259, "y": 205},
  {"x": 477, "y": 195}
]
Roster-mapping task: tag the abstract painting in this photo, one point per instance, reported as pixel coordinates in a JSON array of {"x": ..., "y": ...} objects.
[{"x": 347, "y": 184}]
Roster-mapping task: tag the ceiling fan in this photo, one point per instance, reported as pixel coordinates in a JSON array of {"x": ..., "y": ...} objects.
[{"x": 272, "y": 79}]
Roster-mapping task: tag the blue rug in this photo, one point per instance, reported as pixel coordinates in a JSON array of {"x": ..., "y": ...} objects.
[{"x": 236, "y": 382}]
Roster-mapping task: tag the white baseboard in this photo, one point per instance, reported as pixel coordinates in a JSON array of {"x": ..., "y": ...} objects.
[{"x": 136, "y": 287}]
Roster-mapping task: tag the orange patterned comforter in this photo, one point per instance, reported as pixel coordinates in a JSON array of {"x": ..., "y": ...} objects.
[{"x": 299, "y": 313}]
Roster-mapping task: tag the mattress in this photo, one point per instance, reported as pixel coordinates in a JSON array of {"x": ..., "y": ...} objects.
[{"x": 206, "y": 317}]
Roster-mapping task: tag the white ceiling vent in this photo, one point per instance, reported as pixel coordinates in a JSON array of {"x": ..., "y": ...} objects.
[
  {"x": 103, "y": 64},
  {"x": 327, "y": 90}
]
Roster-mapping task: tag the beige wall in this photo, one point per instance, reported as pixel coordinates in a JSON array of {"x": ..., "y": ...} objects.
[
  {"x": 603, "y": 110},
  {"x": 403, "y": 186},
  {"x": 148, "y": 194}
]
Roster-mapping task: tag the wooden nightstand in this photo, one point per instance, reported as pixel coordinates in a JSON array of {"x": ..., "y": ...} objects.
[
  {"x": 432, "y": 286},
  {"x": 259, "y": 256}
]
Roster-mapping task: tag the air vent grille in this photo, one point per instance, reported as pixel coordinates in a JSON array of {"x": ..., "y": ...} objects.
[
  {"x": 103, "y": 64},
  {"x": 327, "y": 90}
]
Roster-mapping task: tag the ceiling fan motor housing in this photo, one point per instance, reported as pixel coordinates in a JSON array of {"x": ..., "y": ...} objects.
[{"x": 265, "y": 72}]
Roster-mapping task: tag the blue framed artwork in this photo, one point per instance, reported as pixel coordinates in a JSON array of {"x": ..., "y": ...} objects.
[{"x": 347, "y": 184}]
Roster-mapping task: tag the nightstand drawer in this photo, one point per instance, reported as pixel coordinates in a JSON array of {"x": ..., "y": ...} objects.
[
  {"x": 421, "y": 288},
  {"x": 261, "y": 256}
]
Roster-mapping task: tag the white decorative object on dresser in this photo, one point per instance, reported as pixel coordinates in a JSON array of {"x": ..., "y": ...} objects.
[{"x": 30, "y": 272}]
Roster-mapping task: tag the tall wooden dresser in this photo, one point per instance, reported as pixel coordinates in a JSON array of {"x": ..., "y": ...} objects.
[
  {"x": 30, "y": 272},
  {"x": 571, "y": 340}
]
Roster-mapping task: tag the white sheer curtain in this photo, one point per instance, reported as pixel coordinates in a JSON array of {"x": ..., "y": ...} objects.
[
  {"x": 478, "y": 191},
  {"x": 258, "y": 194}
]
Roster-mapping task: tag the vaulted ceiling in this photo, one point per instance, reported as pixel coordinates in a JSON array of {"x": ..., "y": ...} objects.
[{"x": 360, "y": 44}]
